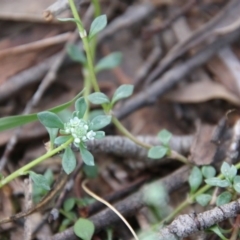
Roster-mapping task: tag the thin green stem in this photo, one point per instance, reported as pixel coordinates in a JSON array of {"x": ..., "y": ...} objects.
[
  {"x": 23, "y": 170},
  {"x": 86, "y": 45},
  {"x": 125, "y": 132},
  {"x": 97, "y": 12},
  {"x": 179, "y": 157}
]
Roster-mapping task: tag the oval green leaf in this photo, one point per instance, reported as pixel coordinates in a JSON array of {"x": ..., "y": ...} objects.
[
  {"x": 68, "y": 160},
  {"x": 87, "y": 157},
  {"x": 157, "y": 152},
  {"x": 80, "y": 107},
  {"x": 98, "y": 98},
  {"x": 195, "y": 179},
  {"x": 100, "y": 121},
  {"x": 99, "y": 135},
  {"x": 123, "y": 91},
  {"x": 76, "y": 54},
  {"x": 97, "y": 25},
  {"x": 51, "y": 120},
  {"x": 84, "y": 229},
  {"x": 111, "y": 61},
  {"x": 39, "y": 180},
  {"x": 224, "y": 198},
  {"x": 61, "y": 139},
  {"x": 165, "y": 137},
  {"x": 203, "y": 199},
  {"x": 208, "y": 171},
  {"x": 217, "y": 182},
  {"x": 69, "y": 204}
]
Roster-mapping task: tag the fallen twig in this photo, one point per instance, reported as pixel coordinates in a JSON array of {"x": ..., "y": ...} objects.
[{"x": 187, "y": 224}]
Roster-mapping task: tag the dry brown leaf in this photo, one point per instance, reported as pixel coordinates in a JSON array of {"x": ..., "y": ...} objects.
[
  {"x": 201, "y": 92},
  {"x": 226, "y": 68},
  {"x": 202, "y": 149}
]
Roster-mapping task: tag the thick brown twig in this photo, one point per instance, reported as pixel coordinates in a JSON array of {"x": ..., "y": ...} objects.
[{"x": 124, "y": 147}]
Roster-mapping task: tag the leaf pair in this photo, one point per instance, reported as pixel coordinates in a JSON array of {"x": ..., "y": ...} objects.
[
  {"x": 122, "y": 92},
  {"x": 98, "y": 24},
  {"x": 158, "y": 152}
]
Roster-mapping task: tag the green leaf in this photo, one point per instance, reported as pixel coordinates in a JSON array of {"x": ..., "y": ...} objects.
[
  {"x": 95, "y": 113},
  {"x": 100, "y": 122},
  {"x": 217, "y": 231},
  {"x": 165, "y": 137},
  {"x": 195, "y": 179},
  {"x": 52, "y": 135},
  {"x": 111, "y": 61},
  {"x": 98, "y": 98},
  {"x": 69, "y": 204},
  {"x": 39, "y": 180},
  {"x": 19, "y": 120},
  {"x": 217, "y": 182},
  {"x": 155, "y": 194},
  {"x": 224, "y": 198},
  {"x": 65, "y": 223},
  {"x": 39, "y": 192},
  {"x": 157, "y": 152},
  {"x": 203, "y": 199},
  {"x": 62, "y": 139},
  {"x": 51, "y": 120},
  {"x": 97, "y": 25},
  {"x": 48, "y": 174},
  {"x": 90, "y": 171},
  {"x": 76, "y": 54},
  {"x": 236, "y": 179},
  {"x": 236, "y": 184},
  {"x": 81, "y": 107},
  {"x": 227, "y": 171},
  {"x": 87, "y": 157},
  {"x": 68, "y": 161},
  {"x": 84, "y": 229},
  {"x": 208, "y": 171},
  {"x": 99, "y": 135},
  {"x": 123, "y": 91}
]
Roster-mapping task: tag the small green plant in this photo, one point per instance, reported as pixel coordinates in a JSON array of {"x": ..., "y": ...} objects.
[
  {"x": 158, "y": 152},
  {"x": 68, "y": 212}
]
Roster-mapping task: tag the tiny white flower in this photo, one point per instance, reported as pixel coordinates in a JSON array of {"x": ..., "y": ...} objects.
[
  {"x": 67, "y": 130},
  {"x": 86, "y": 127},
  {"x": 72, "y": 130},
  {"x": 84, "y": 138},
  {"x": 91, "y": 135},
  {"x": 77, "y": 140},
  {"x": 74, "y": 135}
]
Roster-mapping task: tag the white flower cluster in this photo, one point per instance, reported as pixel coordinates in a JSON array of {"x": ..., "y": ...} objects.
[{"x": 78, "y": 128}]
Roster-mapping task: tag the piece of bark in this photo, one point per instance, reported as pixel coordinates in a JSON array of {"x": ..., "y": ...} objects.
[{"x": 187, "y": 224}]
